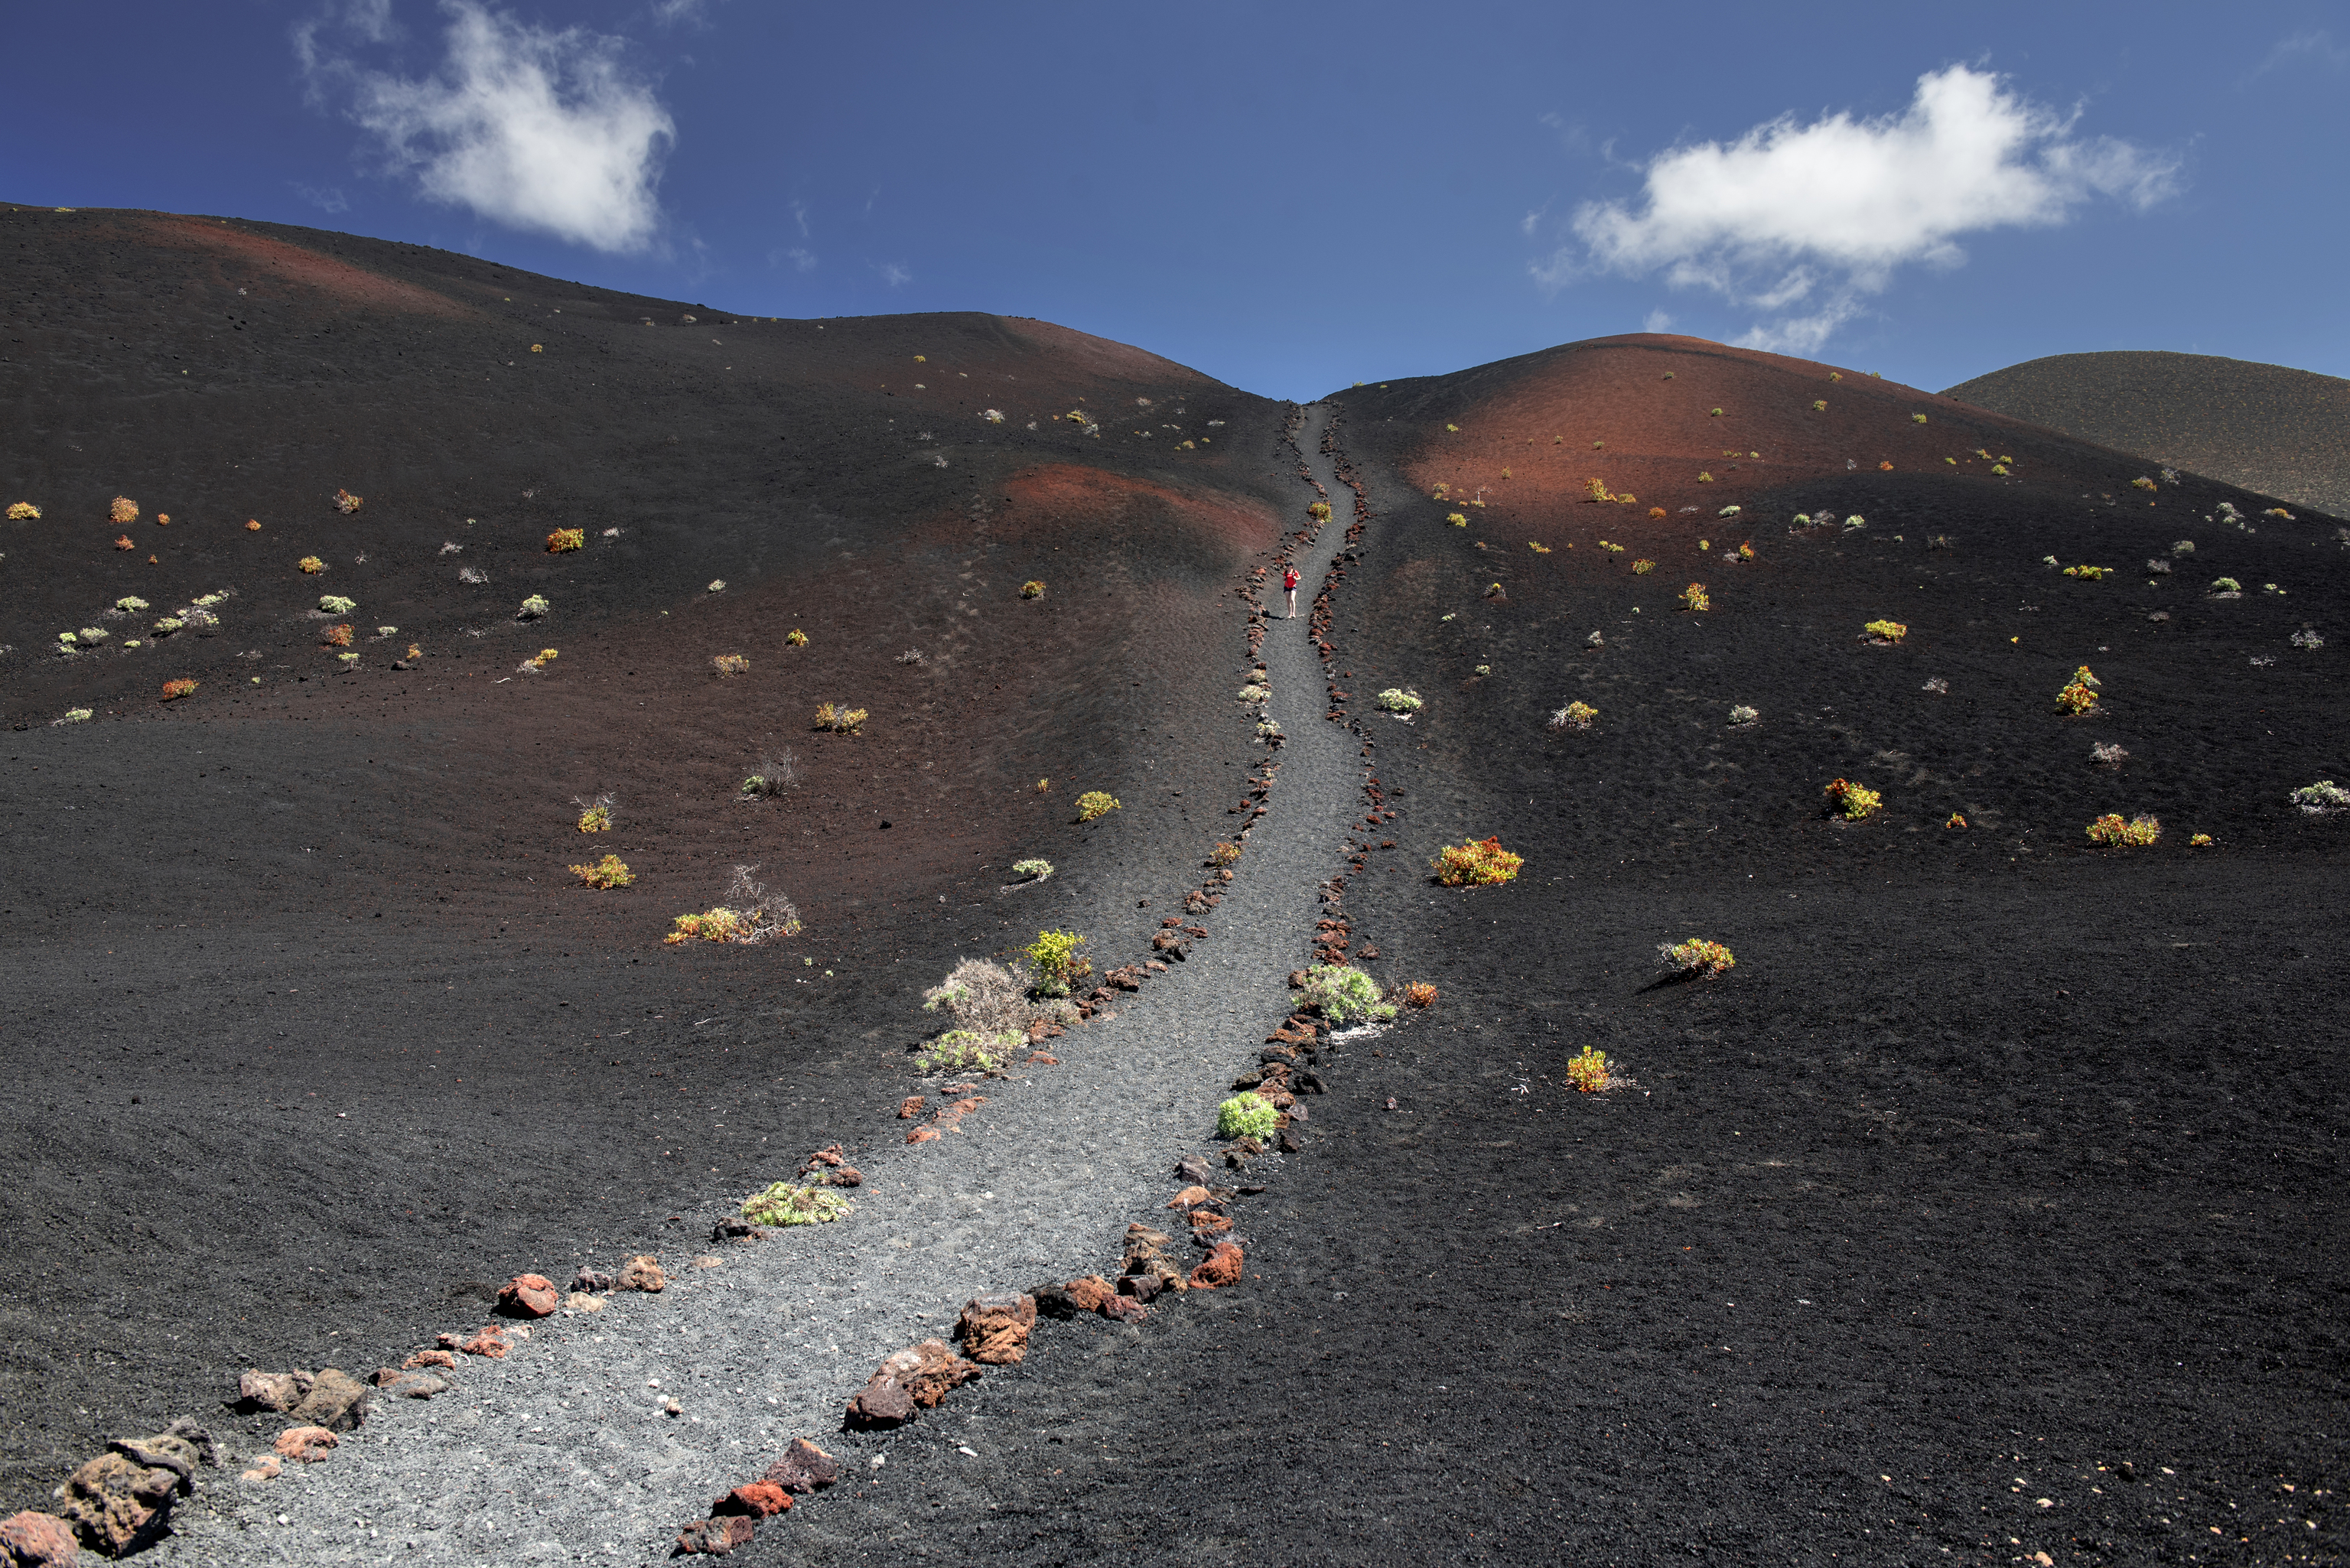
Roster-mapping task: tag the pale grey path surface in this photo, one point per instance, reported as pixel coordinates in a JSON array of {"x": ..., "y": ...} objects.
[{"x": 563, "y": 1453}]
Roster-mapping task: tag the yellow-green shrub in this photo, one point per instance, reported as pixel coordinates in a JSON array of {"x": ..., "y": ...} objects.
[
  {"x": 1887, "y": 630},
  {"x": 1696, "y": 956},
  {"x": 1479, "y": 863},
  {"x": 1094, "y": 804},
  {"x": 609, "y": 872},
  {"x": 1056, "y": 961},
  {"x": 564, "y": 539},
  {"x": 1587, "y": 1070},
  {"x": 1857, "y": 802},
  {"x": 2113, "y": 833}
]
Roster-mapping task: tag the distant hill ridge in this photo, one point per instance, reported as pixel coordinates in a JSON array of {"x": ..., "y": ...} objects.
[{"x": 2267, "y": 427}]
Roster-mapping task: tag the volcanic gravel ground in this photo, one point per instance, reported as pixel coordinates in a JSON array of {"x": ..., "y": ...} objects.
[
  {"x": 565, "y": 1450},
  {"x": 314, "y": 1040},
  {"x": 1981, "y": 1212}
]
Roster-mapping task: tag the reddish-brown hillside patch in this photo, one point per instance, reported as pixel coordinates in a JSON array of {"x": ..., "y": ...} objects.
[
  {"x": 1520, "y": 436},
  {"x": 1053, "y": 497},
  {"x": 250, "y": 255}
]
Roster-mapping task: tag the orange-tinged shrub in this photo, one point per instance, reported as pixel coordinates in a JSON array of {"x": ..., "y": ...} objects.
[
  {"x": 1420, "y": 994},
  {"x": 335, "y": 637},
  {"x": 175, "y": 690},
  {"x": 346, "y": 503},
  {"x": 124, "y": 510},
  {"x": 564, "y": 539}
]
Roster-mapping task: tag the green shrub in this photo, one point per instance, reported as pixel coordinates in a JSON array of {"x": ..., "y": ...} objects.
[
  {"x": 968, "y": 1051},
  {"x": 74, "y": 716},
  {"x": 1055, "y": 962},
  {"x": 785, "y": 1204},
  {"x": 2321, "y": 799},
  {"x": 1248, "y": 1115},
  {"x": 532, "y": 608},
  {"x": 1339, "y": 993},
  {"x": 1253, "y": 693},
  {"x": 1396, "y": 700},
  {"x": 1031, "y": 871},
  {"x": 336, "y": 604},
  {"x": 130, "y": 606},
  {"x": 2226, "y": 585},
  {"x": 1095, "y": 802}
]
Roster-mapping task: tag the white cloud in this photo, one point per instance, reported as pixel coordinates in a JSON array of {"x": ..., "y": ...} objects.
[
  {"x": 804, "y": 260},
  {"x": 2317, "y": 44},
  {"x": 325, "y": 198},
  {"x": 1658, "y": 321},
  {"x": 527, "y": 127},
  {"x": 1827, "y": 212},
  {"x": 895, "y": 275},
  {"x": 799, "y": 216}
]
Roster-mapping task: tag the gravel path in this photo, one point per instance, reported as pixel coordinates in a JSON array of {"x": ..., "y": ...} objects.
[{"x": 565, "y": 1450}]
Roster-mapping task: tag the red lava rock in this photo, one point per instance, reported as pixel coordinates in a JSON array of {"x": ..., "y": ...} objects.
[
  {"x": 758, "y": 1499},
  {"x": 714, "y": 1537},
  {"x": 994, "y": 1329},
  {"x": 272, "y": 1390},
  {"x": 922, "y": 1135},
  {"x": 489, "y": 1343},
  {"x": 1038, "y": 1059},
  {"x": 38, "y": 1541},
  {"x": 642, "y": 1272},
  {"x": 529, "y": 1295},
  {"x": 1088, "y": 1294},
  {"x": 805, "y": 1468},
  {"x": 306, "y": 1444},
  {"x": 1205, "y": 1225},
  {"x": 430, "y": 1358},
  {"x": 1124, "y": 1309},
  {"x": 1190, "y": 1198},
  {"x": 1222, "y": 1268},
  {"x": 910, "y": 1107},
  {"x": 336, "y": 1401},
  {"x": 919, "y": 1375}
]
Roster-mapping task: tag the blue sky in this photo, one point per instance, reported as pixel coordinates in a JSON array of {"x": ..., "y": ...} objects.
[{"x": 1290, "y": 197}]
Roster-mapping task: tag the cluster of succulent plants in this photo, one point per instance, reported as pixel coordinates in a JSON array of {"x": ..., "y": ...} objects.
[
  {"x": 1479, "y": 863},
  {"x": 730, "y": 663},
  {"x": 1697, "y": 956},
  {"x": 968, "y": 1051},
  {"x": 609, "y": 872},
  {"x": 1398, "y": 700},
  {"x": 565, "y": 539},
  {"x": 1343, "y": 994},
  {"x": 2114, "y": 833},
  {"x": 839, "y": 719},
  {"x": 2079, "y": 694},
  {"x": 784, "y": 1203},
  {"x": 1576, "y": 715},
  {"x": 750, "y": 914},
  {"x": 1857, "y": 802},
  {"x": 1031, "y": 871},
  {"x": 1095, "y": 803}
]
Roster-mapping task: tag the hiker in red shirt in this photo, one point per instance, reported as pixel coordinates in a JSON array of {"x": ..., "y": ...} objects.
[{"x": 1289, "y": 586}]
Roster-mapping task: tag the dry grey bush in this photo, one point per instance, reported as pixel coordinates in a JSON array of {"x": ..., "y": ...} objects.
[{"x": 990, "y": 1000}]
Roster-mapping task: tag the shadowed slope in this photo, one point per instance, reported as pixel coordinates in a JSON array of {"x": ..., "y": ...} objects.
[{"x": 2280, "y": 431}]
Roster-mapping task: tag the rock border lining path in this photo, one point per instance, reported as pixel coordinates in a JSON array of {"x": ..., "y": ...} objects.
[{"x": 589, "y": 1443}]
